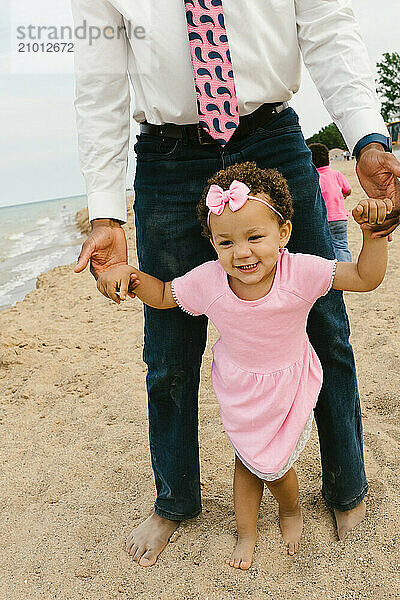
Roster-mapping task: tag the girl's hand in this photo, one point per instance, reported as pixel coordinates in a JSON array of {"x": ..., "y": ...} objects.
[
  {"x": 133, "y": 283},
  {"x": 372, "y": 211},
  {"x": 117, "y": 283}
]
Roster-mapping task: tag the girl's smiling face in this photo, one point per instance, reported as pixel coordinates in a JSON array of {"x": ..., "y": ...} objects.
[{"x": 247, "y": 242}]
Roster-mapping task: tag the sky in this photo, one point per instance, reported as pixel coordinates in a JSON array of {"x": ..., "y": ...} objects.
[{"x": 38, "y": 145}]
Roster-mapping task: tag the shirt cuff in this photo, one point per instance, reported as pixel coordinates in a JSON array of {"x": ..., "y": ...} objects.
[
  {"x": 104, "y": 205},
  {"x": 358, "y": 124},
  {"x": 370, "y": 139}
]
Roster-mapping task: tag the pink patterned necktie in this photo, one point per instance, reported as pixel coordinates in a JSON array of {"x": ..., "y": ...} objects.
[{"x": 213, "y": 74}]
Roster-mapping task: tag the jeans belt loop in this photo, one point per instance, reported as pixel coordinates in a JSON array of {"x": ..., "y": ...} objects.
[
  {"x": 185, "y": 137},
  {"x": 281, "y": 107}
]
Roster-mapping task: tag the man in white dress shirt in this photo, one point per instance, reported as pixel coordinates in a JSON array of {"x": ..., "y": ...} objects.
[{"x": 144, "y": 46}]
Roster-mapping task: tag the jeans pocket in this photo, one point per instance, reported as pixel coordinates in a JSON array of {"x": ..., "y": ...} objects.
[
  {"x": 153, "y": 148},
  {"x": 284, "y": 122}
]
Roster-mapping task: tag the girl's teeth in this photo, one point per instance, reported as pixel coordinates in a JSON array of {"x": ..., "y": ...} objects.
[{"x": 248, "y": 266}]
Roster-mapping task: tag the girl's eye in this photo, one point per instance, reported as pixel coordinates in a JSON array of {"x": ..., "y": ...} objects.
[
  {"x": 225, "y": 243},
  {"x": 255, "y": 237}
]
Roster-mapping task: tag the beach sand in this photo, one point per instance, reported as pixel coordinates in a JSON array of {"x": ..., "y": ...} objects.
[{"x": 76, "y": 474}]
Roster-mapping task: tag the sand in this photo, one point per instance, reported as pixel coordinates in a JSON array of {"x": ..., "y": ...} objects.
[{"x": 76, "y": 473}]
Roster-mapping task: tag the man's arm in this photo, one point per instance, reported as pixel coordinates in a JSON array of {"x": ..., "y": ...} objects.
[
  {"x": 102, "y": 106},
  {"x": 102, "y": 111},
  {"x": 338, "y": 62}
]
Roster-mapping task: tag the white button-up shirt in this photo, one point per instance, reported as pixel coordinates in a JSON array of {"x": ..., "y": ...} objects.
[{"x": 145, "y": 43}]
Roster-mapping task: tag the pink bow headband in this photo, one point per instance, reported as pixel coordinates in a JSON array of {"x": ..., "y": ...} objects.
[{"x": 235, "y": 197}]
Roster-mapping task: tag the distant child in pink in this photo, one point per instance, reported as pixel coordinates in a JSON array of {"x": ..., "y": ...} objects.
[
  {"x": 335, "y": 188},
  {"x": 266, "y": 374}
]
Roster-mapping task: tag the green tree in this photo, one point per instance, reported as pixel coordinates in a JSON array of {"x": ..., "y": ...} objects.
[
  {"x": 389, "y": 84},
  {"x": 330, "y": 136}
]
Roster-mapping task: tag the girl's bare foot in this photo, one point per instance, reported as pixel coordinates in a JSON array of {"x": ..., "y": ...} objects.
[
  {"x": 291, "y": 524},
  {"x": 348, "y": 519},
  {"x": 147, "y": 541},
  {"x": 243, "y": 553}
]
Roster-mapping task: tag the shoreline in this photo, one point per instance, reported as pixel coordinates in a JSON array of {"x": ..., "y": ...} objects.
[
  {"x": 77, "y": 477},
  {"x": 80, "y": 224},
  {"x": 34, "y": 238}
]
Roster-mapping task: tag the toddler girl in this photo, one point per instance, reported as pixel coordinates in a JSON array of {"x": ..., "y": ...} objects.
[{"x": 265, "y": 373}]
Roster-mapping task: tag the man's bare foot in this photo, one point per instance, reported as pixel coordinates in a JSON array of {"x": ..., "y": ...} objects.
[
  {"x": 348, "y": 519},
  {"x": 291, "y": 525},
  {"x": 149, "y": 539},
  {"x": 243, "y": 553}
]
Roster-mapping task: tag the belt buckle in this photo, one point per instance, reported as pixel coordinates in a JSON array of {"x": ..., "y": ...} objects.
[{"x": 202, "y": 137}]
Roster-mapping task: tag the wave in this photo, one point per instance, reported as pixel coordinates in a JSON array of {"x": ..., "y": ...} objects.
[
  {"x": 43, "y": 221},
  {"x": 35, "y": 245},
  {"x": 16, "y": 236},
  {"x": 42, "y": 239}
]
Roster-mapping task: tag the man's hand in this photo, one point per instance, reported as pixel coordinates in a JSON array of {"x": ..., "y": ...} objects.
[
  {"x": 378, "y": 173},
  {"x": 105, "y": 248}
]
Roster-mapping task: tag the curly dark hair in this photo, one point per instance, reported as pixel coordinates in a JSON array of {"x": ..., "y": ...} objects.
[
  {"x": 267, "y": 181},
  {"x": 320, "y": 154}
]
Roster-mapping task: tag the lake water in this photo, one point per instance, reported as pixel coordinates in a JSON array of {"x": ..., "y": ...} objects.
[{"x": 35, "y": 238}]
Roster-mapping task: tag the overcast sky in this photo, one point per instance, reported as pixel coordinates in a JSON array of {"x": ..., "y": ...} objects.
[{"x": 38, "y": 137}]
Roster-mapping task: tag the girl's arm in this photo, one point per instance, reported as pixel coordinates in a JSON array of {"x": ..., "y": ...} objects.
[
  {"x": 369, "y": 270},
  {"x": 123, "y": 280},
  {"x": 345, "y": 186}
]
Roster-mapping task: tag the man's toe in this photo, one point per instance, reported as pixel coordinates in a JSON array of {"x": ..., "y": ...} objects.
[
  {"x": 148, "y": 559},
  {"x": 137, "y": 555},
  {"x": 130, "y": 542}
]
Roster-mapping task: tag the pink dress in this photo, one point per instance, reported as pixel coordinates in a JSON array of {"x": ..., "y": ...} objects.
[{"x": 265, "y": 373}]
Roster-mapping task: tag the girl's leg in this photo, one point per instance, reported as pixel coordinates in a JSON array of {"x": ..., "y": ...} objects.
[
  {"x": 247, "y": 494},
  {"x": 286, "y": 492},
  {"x": 338, "y": 231}
]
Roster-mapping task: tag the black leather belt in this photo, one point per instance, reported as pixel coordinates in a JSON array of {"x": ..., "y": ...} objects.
[{"x": 247, "y": 124}]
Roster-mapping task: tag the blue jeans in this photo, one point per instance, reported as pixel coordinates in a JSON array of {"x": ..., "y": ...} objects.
[
  {"x": 170, "y": 178},
  {"x": 338, "y": 231}
]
